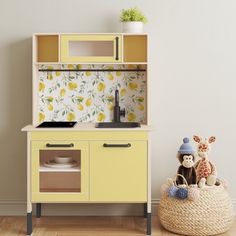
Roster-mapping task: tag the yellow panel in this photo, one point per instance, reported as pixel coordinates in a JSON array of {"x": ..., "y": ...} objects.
[
  {"x": 38, "y": 196},
  {"x": 59, "y": 197},
  {"x": 48, "y": 48},
  {"x": 135, "y": 48},
  {"x": 118, "y": 174},
  {"x": 89, "y": 135},
  {"x": 65, "y": 49}
]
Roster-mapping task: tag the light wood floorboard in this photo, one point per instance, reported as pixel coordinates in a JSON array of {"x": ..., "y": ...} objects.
[{"x": 85, "y": 226}]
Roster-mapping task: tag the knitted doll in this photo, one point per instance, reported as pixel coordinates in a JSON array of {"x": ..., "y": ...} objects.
[
  {"x": 186, "y": 158},
  {"x": 205, "y": 169}
]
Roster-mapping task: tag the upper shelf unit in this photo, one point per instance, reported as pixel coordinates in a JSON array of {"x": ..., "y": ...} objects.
[{"x": 90, "y": 48}]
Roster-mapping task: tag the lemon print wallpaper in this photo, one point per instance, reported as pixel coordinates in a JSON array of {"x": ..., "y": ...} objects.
[{"x": 88, "y": 96}]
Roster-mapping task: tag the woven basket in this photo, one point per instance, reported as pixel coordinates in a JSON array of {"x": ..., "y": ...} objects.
[{"x": 212, "y": 213}]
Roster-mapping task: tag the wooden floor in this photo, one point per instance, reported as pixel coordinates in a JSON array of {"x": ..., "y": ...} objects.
[{"x": 85, "y": 226}]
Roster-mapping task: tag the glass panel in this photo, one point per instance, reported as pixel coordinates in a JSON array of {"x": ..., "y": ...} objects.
[
  {"x": 91, "y": 48},
  {"x": 60, "y": 171}
]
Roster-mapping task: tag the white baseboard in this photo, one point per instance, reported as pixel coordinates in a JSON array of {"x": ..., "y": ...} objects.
[
  {"x": 18, "y": 208},
  {"x": 12, "y": 207}
]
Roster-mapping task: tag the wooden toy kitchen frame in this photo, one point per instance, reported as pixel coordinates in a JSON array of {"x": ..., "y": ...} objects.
[{"x": 114, "y": 164}]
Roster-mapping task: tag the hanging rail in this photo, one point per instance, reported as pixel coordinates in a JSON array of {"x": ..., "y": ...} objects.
[{"x": 102, "y": 70}]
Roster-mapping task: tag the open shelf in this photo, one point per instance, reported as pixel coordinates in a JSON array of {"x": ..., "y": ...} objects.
[
  {"x": 60, "y": 181},
  {"x": 135, "y": 48},
  {"x": 47, "y": 48}
]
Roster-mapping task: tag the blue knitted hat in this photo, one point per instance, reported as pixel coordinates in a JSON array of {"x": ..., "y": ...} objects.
[{"x": 186, "y": 147}]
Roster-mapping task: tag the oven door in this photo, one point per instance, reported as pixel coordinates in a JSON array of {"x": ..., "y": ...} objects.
[{"x": 59, "y": 171}]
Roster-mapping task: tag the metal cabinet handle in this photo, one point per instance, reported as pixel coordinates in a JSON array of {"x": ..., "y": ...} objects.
[
  {"x": 117, "y": 48},
  {"x": 117, "y": 145},
  {"x": 59, "y": 145}
]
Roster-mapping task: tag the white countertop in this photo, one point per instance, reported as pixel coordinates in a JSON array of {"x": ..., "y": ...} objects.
[{"x": 85, "y": 127}]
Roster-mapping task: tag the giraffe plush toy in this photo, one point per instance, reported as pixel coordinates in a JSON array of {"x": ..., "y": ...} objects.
[{"x": 206, "y": 171}]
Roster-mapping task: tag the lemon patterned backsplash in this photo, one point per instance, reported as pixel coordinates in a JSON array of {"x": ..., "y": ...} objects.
[{"x": 88, "y": 96}]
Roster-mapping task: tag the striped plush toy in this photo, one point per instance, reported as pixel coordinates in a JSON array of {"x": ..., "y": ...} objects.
[{"x": 204, "y": 168}]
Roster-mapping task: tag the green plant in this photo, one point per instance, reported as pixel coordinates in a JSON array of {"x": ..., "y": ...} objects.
[{"x": 132, "y": 14}]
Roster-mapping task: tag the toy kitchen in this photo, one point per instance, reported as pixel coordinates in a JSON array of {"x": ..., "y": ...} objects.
[{"x": 89, "y": 137}]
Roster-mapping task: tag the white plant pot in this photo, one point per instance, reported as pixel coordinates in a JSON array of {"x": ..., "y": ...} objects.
[{"x": 133, "y": 27}]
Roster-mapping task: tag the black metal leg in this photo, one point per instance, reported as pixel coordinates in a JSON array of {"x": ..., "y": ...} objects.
[
  {"x": 149, "y": 224},
  {"x": 145, "y": 210},
  {"x": 29, "y": 223},
  {"x": 38, "y": 210}
]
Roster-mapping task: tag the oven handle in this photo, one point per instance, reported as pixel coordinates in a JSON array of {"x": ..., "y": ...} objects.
[
  {"x": 59, "y": 145},
  {"x": 117, "y": 48},
  {"x": 116, "y": 145}
]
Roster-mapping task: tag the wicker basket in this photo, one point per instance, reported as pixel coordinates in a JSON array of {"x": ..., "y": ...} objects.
[{"x": 211, "y": 214}]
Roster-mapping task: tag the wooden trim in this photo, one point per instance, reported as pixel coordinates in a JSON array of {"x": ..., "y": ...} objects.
[
  {"x": 59, "y": 48},
  {"x": 89, "y": 33},
  {"x": 149, "y": 175},
  {"x": 122, "y": 49},
  {"x": 34, "y": 79},
  {"x": 81, "y": 127},
  {"x": 93, "y": 63},
  {"x": 106, "y": 70},
  {"x": 89, "y": 136},
  {"x": 35, "y": 95},
  {"x": 29, "y": 204},
  {"x": 147, "y": 85},
  {"x": 146, "y": 122}
]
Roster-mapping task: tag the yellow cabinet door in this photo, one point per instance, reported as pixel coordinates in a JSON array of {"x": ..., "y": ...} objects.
[
  {"x": 118, "y": 171},
  {"x": 91, "y": 48},
  {"x": 65, "y": 183}
]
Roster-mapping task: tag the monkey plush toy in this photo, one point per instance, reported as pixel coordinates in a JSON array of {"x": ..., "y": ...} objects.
[{"x": 186, "y": 158}]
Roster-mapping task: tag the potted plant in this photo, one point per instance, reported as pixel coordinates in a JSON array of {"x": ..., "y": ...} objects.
[{"x": 133, "y": 20}]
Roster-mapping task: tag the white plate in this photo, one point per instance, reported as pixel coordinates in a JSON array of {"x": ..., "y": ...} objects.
[{"x": 53, "y": 164}]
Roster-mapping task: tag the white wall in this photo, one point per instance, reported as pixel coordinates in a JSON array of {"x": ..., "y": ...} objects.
[{"x": 192, "y": 72}]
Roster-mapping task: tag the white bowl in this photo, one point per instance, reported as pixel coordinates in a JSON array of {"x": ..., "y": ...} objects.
[{"x": 62, "y": 160}]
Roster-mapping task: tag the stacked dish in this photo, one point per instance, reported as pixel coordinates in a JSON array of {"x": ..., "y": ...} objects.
[{"x": 61, "y": 162}]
